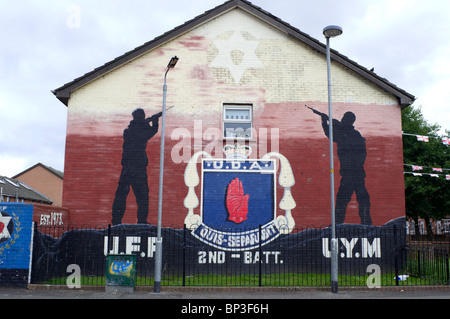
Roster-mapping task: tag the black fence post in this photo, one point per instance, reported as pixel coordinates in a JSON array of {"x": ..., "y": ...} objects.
[
  {"x": 109, "y": 239},
  {"x": 448, "y": 268},
  {"x": 396, "y": 255},
  {"x": 260, "y": 256},
  {"x": 418, "y": 261}
]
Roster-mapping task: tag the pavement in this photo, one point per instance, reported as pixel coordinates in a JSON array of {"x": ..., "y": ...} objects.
[{"x": 232, "y": 294}]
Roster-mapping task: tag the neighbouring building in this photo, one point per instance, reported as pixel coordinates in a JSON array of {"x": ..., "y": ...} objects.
[
  {"x": 46, "y": 180},
  {"x": 13, "y": 190}
]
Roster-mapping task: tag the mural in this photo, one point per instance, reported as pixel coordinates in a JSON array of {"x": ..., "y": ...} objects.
[
  {"x": 134, "y": 166},
  {"x": 16, "y": 221},
  {"x": 184, "y": 253},
  {"x": 351, "y": 151},
  {"x": 233, "y": 215},
  {"x": 241, "y": 208},
  {"x": 238, "y": 208},
  {"x": 237, "y": 54}
]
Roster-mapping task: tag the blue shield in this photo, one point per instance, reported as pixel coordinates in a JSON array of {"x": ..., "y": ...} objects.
[{"x": 238, "y": 203}]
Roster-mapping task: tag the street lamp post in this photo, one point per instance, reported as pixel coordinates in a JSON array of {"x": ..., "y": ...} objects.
[
  {"x": 330, "y": 32},
  {"x": 158, "y": 256}
]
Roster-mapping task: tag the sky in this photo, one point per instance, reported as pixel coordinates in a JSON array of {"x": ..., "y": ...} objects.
[{"x": 48, "y": 43}]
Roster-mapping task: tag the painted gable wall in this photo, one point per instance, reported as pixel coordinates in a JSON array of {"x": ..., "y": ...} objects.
[{"x": 234, "y": 58}]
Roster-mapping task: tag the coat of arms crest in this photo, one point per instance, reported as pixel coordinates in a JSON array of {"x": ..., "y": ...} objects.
[{"x": 238, "y": 208}]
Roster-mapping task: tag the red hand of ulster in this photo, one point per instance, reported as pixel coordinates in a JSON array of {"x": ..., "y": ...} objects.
[{"x": 237, "y": 202}]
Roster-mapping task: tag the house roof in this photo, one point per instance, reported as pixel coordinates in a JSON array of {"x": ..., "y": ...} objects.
[
  {"x": 63, "y": 93},
  {"x": 48, "y": 168},
  {"x": 16, "y": 189}
]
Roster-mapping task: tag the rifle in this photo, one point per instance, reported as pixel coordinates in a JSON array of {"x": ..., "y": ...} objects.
[
  {"x": 158, "y": 115},
  {"x": 322, "y": 115}
]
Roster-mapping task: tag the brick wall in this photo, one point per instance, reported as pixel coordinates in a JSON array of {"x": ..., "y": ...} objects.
[
  {"x": 234, "y": 58},
  {"x": 51, "y": 219},
  {"x": 45, "y": 215}
]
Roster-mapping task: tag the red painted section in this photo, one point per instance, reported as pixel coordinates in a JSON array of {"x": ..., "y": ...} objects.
[
  {"x": 47, "y": 215},
  {"x": 51, "y": 219},
  {"x": 93, "y": 163}
]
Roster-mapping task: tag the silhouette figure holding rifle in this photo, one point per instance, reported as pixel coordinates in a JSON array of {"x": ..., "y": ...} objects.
[
  {"x": 351, "y": 151},
  {"x": 134, "y": 166}
]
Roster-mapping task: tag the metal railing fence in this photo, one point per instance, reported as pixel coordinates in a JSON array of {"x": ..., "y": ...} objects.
[{"x": 368, "y": 256}]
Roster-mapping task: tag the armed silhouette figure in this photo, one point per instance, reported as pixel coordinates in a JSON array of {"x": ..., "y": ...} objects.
[
  {"x": 237, "y": 202},
  {"x": 351, "y": 151},
  {"x": 134, "y": 165}
]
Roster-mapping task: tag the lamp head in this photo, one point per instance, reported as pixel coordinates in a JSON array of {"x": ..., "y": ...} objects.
[
  {"x": 173, "y": 62},
  {"x": 332, "y": 31}
]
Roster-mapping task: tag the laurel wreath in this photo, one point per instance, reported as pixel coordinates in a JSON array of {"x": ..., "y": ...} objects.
[{"x": 14, "y": 236}]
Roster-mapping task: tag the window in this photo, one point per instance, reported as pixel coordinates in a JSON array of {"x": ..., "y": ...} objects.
[
  {"x": 237, "y": 121},
  {"x": 446, "y": 226}
]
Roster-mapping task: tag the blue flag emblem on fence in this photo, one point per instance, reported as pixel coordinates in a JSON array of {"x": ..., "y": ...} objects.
[{"x": 238, "y": 204}]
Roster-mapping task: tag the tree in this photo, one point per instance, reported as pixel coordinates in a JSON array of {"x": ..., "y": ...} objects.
[{"x": 426, "y": 197}]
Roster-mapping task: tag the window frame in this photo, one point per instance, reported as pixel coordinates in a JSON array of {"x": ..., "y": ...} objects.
[{"x": 225, "y": 121}]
